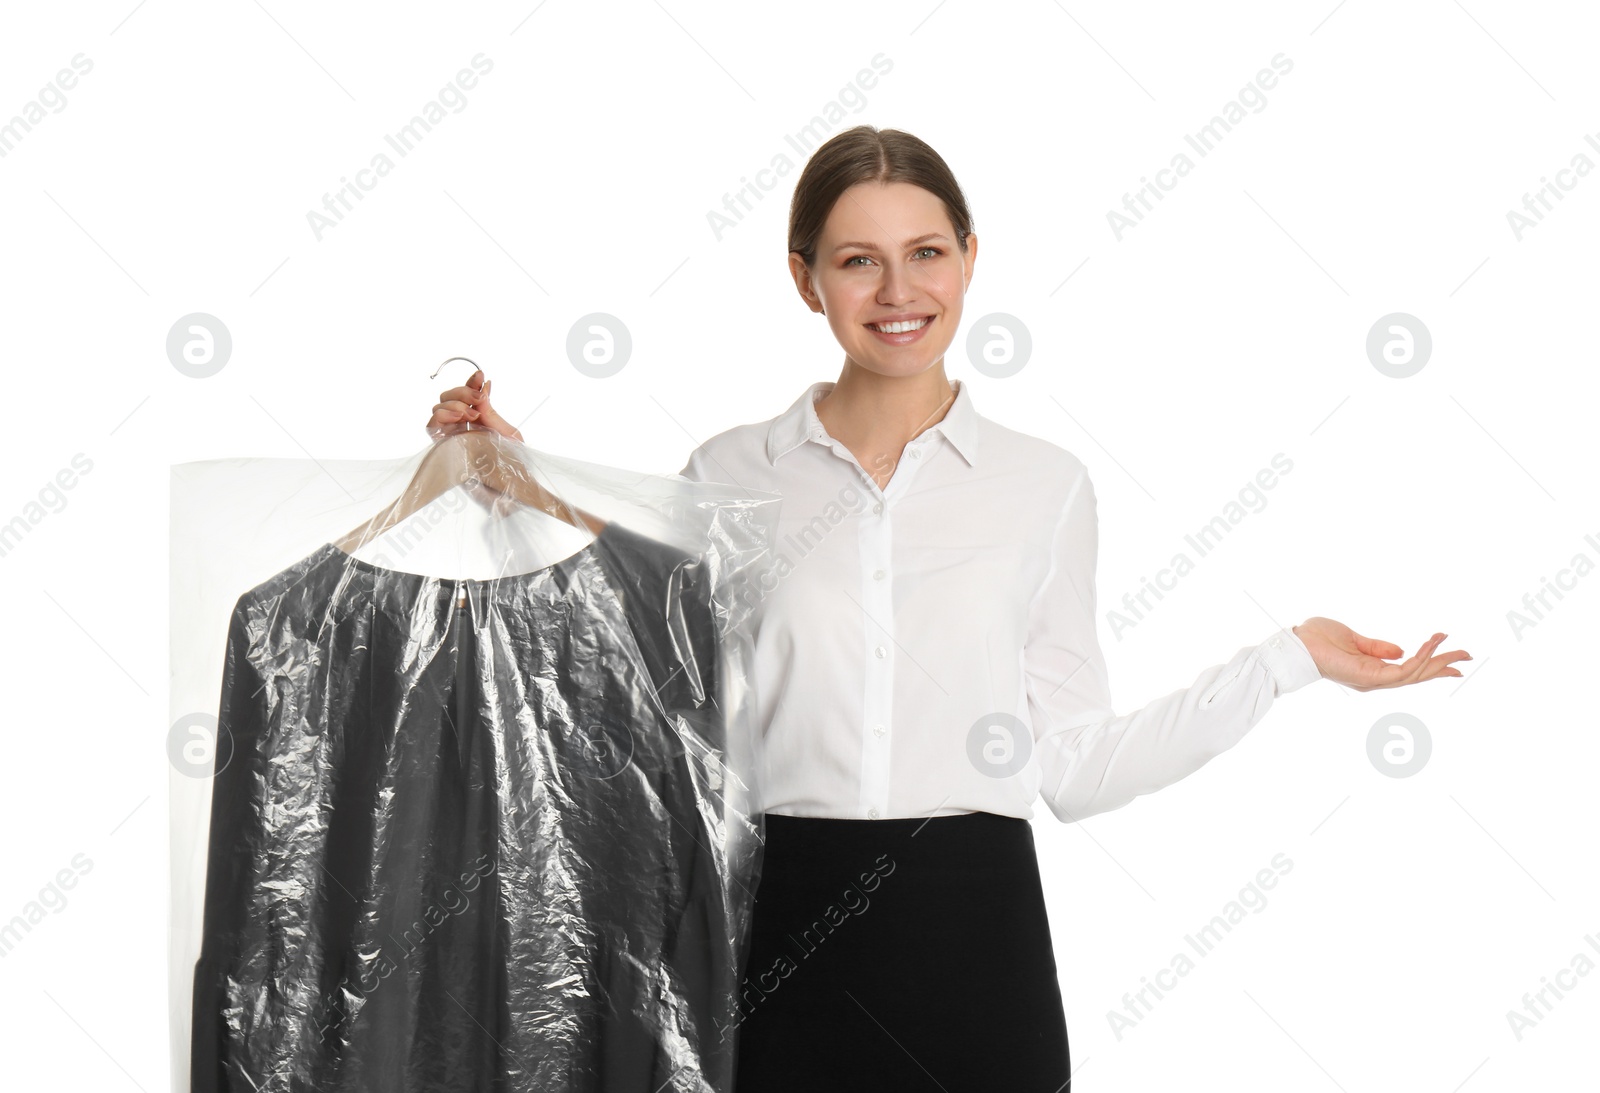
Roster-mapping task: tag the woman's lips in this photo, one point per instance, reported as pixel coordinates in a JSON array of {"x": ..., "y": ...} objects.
[{"x": 906, "y": 338}]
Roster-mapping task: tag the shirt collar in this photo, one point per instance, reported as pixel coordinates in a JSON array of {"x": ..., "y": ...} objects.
[{"x": 800, "y": 423}]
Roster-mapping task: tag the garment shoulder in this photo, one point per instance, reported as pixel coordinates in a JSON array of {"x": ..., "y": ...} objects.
[
  {"x": 730, "y": 456},
  {"x": 741, "y": 436},
  {"x": 739, "y": 440},
  {"x": 1057, "y": 470},
  {"x": 643, "y": 554},
  {"x": 288, "y": 606}
]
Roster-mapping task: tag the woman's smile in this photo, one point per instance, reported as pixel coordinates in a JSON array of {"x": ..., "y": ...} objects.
[{"x": 901, "y": 332}]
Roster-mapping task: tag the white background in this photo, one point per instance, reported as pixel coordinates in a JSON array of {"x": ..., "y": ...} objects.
[{"x": 1228, "y": 326}]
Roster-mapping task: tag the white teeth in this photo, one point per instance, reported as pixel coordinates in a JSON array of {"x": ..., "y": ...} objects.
[{"x": 900, "y": 328}]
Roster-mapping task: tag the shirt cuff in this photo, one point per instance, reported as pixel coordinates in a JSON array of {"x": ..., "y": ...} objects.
[{"x": 1289, "y": 661}]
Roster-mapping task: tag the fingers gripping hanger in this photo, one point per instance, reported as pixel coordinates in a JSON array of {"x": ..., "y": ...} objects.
[
  {"x": 478, "y": 459},
  {"x": 523, "y": 486}
]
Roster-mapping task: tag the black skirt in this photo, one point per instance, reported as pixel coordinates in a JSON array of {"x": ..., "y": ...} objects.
[{"x": 904, "y": 955}]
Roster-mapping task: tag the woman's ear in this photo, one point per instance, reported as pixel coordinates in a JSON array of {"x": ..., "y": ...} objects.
[{"x": 803, "y": 283}]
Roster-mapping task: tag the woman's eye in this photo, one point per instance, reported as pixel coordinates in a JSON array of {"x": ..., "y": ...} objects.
[{"x": 933, "y": 251}]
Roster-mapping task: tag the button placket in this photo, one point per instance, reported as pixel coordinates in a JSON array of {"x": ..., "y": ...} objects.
[{"x": 877, "y": 602}]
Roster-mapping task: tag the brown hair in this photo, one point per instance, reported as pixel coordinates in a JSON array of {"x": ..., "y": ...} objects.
[{"x": 866, "y": 153}]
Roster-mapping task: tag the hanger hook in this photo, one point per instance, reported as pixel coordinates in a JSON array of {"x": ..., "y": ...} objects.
[{"x": 447, "y": 360}]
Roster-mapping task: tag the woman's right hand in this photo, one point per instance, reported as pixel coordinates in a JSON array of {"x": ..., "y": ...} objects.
[{"x": 463, "y": 407}]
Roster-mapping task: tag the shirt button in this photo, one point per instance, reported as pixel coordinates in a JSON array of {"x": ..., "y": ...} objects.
[
  {"x": 881, "y": 653},
  {"x": 878, "y": 730},
  {"x": 877, "y": 574},
  {"x": 878, "y": 507},
  {"x": 872, "y": 814},
  {"x": 915, "y": 453}
]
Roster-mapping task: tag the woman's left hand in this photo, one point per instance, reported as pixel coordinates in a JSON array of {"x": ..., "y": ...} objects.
[{"x": 1361, "y": 663}]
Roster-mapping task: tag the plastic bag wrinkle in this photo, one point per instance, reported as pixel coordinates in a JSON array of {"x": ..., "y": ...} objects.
[{"x": 474, "y": 832}]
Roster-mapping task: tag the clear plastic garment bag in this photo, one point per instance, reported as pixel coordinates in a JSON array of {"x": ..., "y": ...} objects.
[{"x": 462, "y": 792}]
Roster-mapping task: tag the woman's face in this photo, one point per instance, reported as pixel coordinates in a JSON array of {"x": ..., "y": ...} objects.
[{"x": 888, "y": 252}]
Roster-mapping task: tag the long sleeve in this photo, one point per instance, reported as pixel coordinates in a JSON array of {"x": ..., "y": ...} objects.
[
  {"x": 230, "y": 858},
  {"x": 699, "y": 948},
  {"x": 667, "y": 601},
  {"x": 1093, "y": 760},
  {"x": 258, "y": 1005}
]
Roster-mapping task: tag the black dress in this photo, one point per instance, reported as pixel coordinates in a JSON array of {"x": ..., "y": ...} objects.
[{"x": 469, "y": 847}]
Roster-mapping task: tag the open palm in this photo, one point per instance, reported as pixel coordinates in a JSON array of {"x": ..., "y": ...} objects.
[{"x": 1362, "y": 663}]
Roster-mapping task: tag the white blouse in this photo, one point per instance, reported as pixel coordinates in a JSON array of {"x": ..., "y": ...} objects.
[{"x": 930, "y": 648}]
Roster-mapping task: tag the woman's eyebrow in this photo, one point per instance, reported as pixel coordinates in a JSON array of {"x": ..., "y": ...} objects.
[{"x": 873, "y": 246}]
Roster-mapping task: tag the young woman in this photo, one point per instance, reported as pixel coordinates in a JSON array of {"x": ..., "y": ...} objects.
[{"x": 928, "y": 665}]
